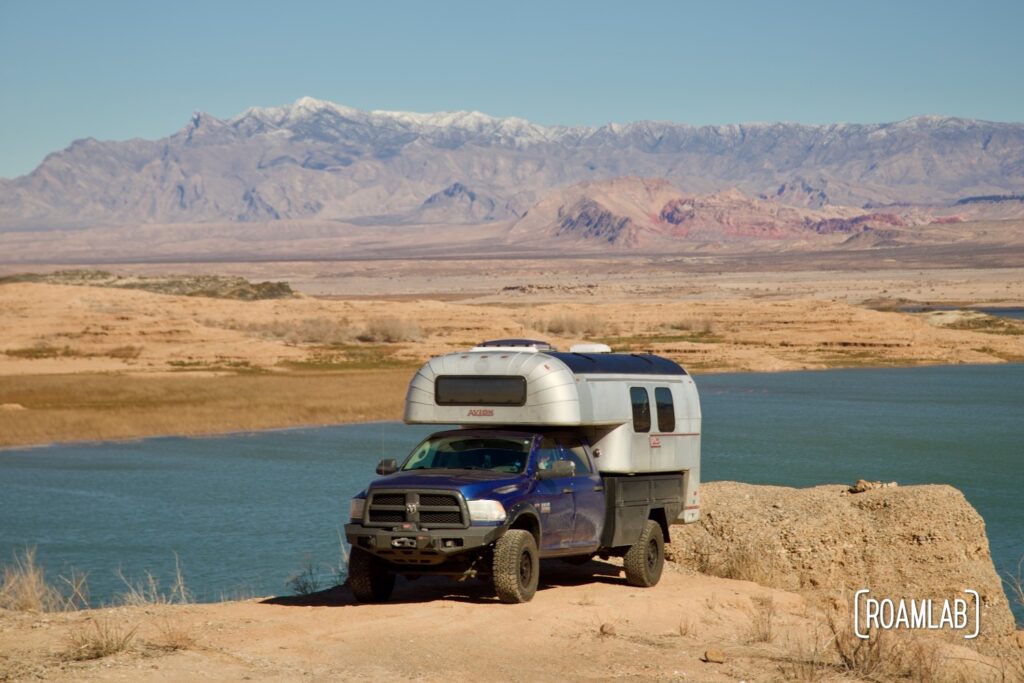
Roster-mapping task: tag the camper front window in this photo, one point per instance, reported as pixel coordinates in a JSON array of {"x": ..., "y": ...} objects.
[{"x": 471, "y": 452}]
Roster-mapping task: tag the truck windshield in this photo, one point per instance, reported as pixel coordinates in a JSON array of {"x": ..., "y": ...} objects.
[{"x": 471, "y": 452}]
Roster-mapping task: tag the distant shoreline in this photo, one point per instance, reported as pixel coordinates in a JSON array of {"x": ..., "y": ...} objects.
[{"x": 270, "y": 428}]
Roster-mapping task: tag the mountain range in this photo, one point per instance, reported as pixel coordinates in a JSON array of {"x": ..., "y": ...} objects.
[
  {"x": 316, "y": 163},
  {"x": 316, "y": 159}
]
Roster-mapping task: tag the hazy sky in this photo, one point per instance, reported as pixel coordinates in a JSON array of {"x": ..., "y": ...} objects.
[{"x": 115, "y": 70}]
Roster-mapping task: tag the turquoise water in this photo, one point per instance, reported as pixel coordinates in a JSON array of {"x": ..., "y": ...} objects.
[{"x": 242, "y": 512}]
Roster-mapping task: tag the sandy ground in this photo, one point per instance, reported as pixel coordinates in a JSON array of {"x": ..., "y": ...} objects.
[
  {"x": 80, "y": 362},
  {"x": 585, "y": 623},
  {"x": 441, "y": 631}
]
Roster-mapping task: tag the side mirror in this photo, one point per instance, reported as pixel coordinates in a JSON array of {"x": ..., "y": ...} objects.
[
  {"x": 560, "y": 469},
  {"x": 387, "y": 466}
]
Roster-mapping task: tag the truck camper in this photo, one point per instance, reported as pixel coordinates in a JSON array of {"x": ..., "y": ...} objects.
[{"x": 556, "y": 455}]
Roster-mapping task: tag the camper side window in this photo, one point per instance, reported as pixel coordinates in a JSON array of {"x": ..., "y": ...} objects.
[
  {"x": 641, "y": 409},
  {"x": 666, "y": 409}
]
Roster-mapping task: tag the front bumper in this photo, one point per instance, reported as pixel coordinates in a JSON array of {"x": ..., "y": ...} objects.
[{"x": 419, "y": 548}]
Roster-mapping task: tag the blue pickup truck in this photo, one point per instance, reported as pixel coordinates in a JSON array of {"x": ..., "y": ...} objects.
[{"x": 560, "y": 455}]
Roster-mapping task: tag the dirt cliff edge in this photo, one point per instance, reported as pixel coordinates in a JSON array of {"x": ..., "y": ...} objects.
[{"x": 898, "y": 541}]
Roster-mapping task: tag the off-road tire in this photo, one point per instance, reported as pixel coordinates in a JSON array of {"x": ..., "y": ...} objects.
[
  {"x": 646, "y": 558},
  {"x": 516, "y": 566},
  {"x": 368, "y": 578}
]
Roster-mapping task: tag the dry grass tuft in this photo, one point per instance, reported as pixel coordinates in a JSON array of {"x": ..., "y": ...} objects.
[
  {"x": 809, "y": 661},
  {"x": 148, "y": 591},
  {"x": 762, "y": 623},
  {"x": 98, "y": 638},
  {"x": 741, "y": 561},
  {"x": 25, "y": 589},
  {"x": 174, "y": 636},
  {"x": 389, "y": 330}
]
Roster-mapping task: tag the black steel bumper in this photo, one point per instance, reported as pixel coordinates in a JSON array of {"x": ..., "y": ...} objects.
[{"x": 419, "y": 548}]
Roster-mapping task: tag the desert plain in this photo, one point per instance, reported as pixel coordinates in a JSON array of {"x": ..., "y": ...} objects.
[{"x": 131, "y": 350}]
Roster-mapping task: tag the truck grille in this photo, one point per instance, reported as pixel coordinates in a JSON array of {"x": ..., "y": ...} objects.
[{"x": 423, "y": 509}]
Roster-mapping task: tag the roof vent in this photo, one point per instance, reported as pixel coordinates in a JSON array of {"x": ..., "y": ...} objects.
[
  {"x": 518, "y": 344},
  {"x": 590, "y": 348}
]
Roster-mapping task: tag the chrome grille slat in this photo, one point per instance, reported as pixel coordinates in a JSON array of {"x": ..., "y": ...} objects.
[{"x": 432, "y": 509}]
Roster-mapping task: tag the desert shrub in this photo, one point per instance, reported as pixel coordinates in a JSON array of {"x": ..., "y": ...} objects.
[
  {"x": 703, "y": 325},
  {"x": 390, "y": 330},
  {"x": 42, "y": 350},
  {"x": 321, "y": 330},
  {"x": 98, "y": 638},
  {"x": 570, "y": 324},
  {"x": 125, "y": 352}
]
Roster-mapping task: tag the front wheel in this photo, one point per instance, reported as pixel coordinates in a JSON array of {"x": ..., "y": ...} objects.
[
  {"x": 369, "y": 579},
  {"x": 645, "y": 559},
  {"x": 516, "y": 566}
]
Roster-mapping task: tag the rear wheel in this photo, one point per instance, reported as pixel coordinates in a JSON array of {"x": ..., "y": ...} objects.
[
  {"x": 516, "y": 566},
  {"x": 368, "y": 577},
  {"x": 646, "y": 558}
]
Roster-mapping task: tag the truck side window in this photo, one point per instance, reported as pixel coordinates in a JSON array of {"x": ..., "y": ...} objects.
[
  {"x": 548, "y": 452},
  {"x": 576, "y": 454},
  {"x": 666, "y": 409},
  {"x": 641, "y": 409}
]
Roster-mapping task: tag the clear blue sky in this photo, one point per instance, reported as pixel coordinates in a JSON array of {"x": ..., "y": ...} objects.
[{"x": 115, "y": 70}]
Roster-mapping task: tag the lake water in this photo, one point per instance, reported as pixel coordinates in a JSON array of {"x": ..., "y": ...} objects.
[
  {"x": 1007, "y": 312},
  {"x": 243, "y": 512}
]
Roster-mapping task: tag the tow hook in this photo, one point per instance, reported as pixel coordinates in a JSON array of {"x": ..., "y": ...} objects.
[{"x": 403, "y": 543}]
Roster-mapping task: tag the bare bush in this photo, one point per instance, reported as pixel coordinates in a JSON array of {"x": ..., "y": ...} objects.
[
  {"x": 98, "y": 638},
  {"x": 306, "y": 581},
  {"x": 390, "y": 330}
]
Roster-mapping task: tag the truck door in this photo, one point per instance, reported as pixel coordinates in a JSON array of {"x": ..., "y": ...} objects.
[
  {"x": 553, "y": 499},
  {"x": 588, "y": 494}
]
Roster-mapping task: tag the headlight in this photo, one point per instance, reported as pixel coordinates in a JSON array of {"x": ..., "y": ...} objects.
[
  {"x": 355, "y": 509},
  {"x": 486, "y": 511}
]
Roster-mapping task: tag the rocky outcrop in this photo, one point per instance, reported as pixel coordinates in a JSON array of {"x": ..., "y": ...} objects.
[{"x": 898, "y": 541}]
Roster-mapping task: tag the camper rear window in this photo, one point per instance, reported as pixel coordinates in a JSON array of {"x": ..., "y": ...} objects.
[
  {"x": 480, "y": 391},
  {"x": 666, "y": 409}
]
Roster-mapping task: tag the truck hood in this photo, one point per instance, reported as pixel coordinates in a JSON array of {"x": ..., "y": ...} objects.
[{"x": 471, "y": 483}]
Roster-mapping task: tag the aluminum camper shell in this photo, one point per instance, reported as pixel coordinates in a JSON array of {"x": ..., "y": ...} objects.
[{"x": 518, "y": 384}]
